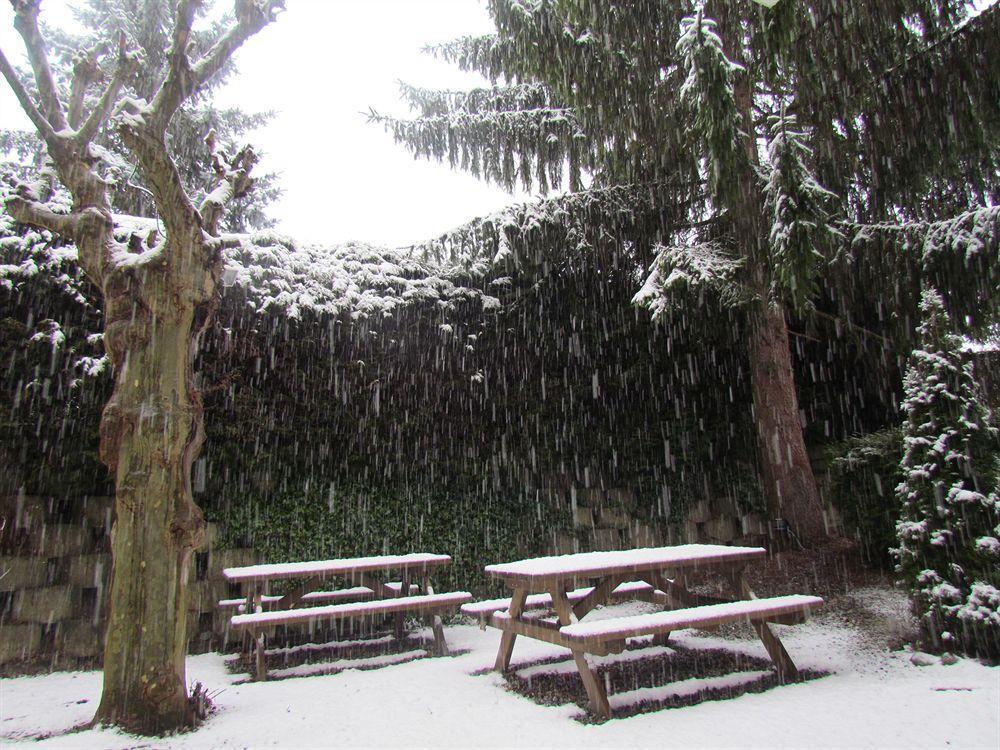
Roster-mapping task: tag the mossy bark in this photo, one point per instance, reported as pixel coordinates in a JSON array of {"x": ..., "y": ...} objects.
[{"x": 151, "y": 431}]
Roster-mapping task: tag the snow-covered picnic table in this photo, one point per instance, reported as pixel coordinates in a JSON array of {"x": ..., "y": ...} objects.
[
  {"x": 369, "y": 592},
  {"x": 657, "y": 575}
]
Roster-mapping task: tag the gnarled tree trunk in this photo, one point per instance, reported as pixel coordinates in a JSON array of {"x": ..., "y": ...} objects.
[
  {"x": 151, "y": 431},
  {"x": 159, "y": 295}
]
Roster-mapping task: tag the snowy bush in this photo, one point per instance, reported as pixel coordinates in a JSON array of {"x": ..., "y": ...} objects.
[{"x": 947, "y": 533}]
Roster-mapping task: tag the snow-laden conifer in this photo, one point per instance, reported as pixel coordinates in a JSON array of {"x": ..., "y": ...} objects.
[
  {"x": 948, "y": 553},
  {"x": 801, "y": 225}
]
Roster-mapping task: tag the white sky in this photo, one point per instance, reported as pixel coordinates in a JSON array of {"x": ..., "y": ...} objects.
[{"x": 320, "y": 67}]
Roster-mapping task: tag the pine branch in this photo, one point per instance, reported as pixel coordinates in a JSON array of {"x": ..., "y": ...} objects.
[
  {"x": 502, "y": 147},
  {"x": 524, "y": 96}
]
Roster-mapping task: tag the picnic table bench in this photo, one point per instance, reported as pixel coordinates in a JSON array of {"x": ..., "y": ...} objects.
[
  {"x": 658, "y": 575},
  {"x": 368, "y": 593}
]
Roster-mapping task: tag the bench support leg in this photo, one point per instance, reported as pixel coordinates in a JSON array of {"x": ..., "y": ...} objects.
[
  {"x": 260, "y": 658},
  {"x": 595, "y": 690},
  {"x": 782, "y": 661},
  {"x": 404, "y": 590},
  {"x": 661, "y": 639},
  {"x": 508, "y": 638},
  {"x": 506, "y": 649}
]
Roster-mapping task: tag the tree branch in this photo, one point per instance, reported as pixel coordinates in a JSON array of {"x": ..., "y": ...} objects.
[
  {"x": 183, "y": 79},
  {"x": 232, "y": 181},
  {"x": 24, "y": 99},
  {"x": 26, "y": 23},
  {"x": 26, "y": 210},
  {"x": 128, "y": 61},
  {"x": 85, "y": 72},
  {"x": 175, "y": 207}
]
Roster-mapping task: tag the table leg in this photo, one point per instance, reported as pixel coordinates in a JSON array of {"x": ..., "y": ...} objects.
[
  {"x": 404, "y": 590},
  {"x": 258, "y": 639},
  {"x": 595, "y": 690},
  {"x": 782, "y": 661},
  {"x": 507, "y": 639},
  {"x": 246, "y": 640},
  {"x": 440, "y": 644}
]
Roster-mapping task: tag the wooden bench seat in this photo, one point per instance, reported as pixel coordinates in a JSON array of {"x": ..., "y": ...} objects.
[
  {"x": 777, "y": 608},
  {"x": 354, "y": 593},
  {"x": 423, "y": 604},
  {"x": 485, "y": 609}
]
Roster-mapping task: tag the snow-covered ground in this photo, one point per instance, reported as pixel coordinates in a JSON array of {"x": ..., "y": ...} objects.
[{"x": 872, "y": 698}]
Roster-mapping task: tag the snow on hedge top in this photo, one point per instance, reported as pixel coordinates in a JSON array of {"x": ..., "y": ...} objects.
[
  {"x": 361, "y": 280},
  {"x": 275, "y": 272}
]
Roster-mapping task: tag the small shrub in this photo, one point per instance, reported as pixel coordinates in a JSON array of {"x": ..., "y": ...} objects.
[{"x": 863, "y": 475}]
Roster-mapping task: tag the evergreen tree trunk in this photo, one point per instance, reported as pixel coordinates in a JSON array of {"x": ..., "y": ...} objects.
[
  {"x": 789, "y": 484},
  {"x": 151, "y": 431}
]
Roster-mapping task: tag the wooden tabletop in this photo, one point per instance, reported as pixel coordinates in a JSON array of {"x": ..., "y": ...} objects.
[
  {"x": 417, "y": 561},
  {"x": 593, "y": 564}
]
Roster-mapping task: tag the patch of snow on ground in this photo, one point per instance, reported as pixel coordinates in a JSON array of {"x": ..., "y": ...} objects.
[{"x": 872, "y": 698}]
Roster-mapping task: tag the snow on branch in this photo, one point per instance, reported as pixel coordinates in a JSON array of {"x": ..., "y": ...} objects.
[
  {"x": 232, "y": 173},
  {"x": 268, "y": 272},
  {"x": 563, "y": 227},
  {"x": 357, "y": 280},
  {"x": 694, "y": 267},
  {"x": 970, "y": 236}
]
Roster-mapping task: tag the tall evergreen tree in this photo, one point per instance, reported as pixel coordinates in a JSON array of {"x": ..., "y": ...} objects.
[
  {"x": 674, "y": 103},
  {"x": 949, "y": 553}
]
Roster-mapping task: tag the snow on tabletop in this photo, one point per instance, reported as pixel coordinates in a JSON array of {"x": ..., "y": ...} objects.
[
  {"x": 638, "y": 559},
  {"x": 537, "y": 601},
  {"x": 332, "y": 567},
  {"x": 351, "y": 609},
  {"x": 678, "y": 619}
]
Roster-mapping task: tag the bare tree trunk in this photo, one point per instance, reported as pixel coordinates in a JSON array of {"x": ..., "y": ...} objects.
[
  {"x": 789, "y": 484},
  {"x": 151, "y": 431},
  {"x": 158, "y": 299}
]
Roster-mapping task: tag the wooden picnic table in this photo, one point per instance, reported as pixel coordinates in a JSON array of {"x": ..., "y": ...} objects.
[
  {"x": 379, "y": 585},
  {"x": 658, "y": 575}
]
